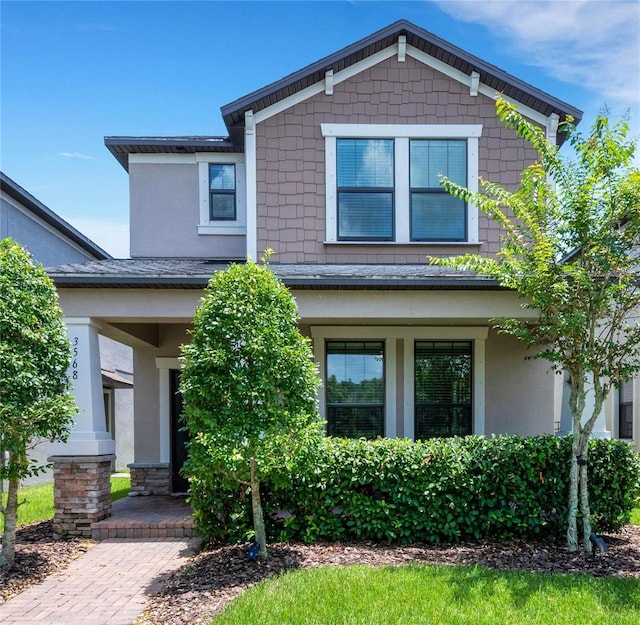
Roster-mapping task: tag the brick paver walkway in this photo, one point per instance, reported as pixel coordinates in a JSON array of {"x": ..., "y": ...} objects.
[{"x": 109, "y": 585}]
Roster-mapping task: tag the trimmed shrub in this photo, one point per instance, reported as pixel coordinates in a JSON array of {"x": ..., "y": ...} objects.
[{"x": 429, "y": 491}]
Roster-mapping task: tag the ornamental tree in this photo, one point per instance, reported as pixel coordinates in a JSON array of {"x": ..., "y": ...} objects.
[
  {"x": 249, "y": 386},
  {"x": 570, "y": 248},
  {"x": 35, "y": 402}
]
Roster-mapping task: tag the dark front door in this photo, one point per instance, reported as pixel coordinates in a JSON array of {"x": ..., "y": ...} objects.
[{"x": 179, "y": 437}]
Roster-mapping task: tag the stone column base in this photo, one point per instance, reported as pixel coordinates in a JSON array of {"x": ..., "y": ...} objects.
[
  {"x": 82, "y": 493},
  {"x": 150, "y": 478}
]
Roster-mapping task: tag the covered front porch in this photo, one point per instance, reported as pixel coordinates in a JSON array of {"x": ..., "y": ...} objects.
[{"x": 397, "y": 307}]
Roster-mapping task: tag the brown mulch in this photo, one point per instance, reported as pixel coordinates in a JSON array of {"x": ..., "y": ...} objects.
[
  {"x": 214, "y": 577},
  {"x": 218, "y": 574}
]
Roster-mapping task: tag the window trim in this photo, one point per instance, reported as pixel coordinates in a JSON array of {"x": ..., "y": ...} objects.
[
  {"x": 208, "y": 226},
  {"x": 224, "y": 192},
  {"x": 355, "y": 190},
  {"x": 472, "y": 376},
  {"x": 401, "y": 133},
  {"x": 329, "y": 404}
]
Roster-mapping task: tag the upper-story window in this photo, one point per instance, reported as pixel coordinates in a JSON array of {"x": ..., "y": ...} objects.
[
  {"x": 222, "y": 192},
  {"x": 383, "y": 183},
  {"x": 435, "y": 214},
  {"x": 365, "y": 189},
  {"x": 223, "y": 206}
]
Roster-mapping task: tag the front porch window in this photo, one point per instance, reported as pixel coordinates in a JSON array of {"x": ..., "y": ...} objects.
[
  {"x": 443, "y": 383},
  {"x": 625, "y": 410},
  {"x": 355, "y": 388}
]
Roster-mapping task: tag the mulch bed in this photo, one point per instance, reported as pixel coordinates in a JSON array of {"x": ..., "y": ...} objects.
[
  {"x": 214, "y": 577},
  {"x": 218, "y": 574},
  {"x": 38, "y": 555}
]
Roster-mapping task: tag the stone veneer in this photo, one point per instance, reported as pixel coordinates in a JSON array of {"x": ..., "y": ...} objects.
[
  {"x": 82, "y": 493},
  {"x": 150, "y": 478}
]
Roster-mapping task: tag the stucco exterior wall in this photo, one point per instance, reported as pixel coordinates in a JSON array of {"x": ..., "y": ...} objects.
[
  {"x": 45, "y": 244},
  {"x": 150, "y": 405},
  {"x": 291, "y": 159},
  {"x": 146, "y": 406},
  {"x": 164, "y": 200},
  {"x": 520, "y": 395}
]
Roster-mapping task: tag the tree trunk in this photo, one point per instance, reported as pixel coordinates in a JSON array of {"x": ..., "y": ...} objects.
[
  {"x": 572, "y": 528},
  {"x": 256, "y": 507},
  {"x": 577, "y": 404},
  {"x": 584, "y": 499},
  {"x": 579, "y": 474},
  {"x": 10, "y": 511}
]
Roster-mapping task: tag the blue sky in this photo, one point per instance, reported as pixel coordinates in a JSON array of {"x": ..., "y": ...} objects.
[{"x": 74, "y": 72}]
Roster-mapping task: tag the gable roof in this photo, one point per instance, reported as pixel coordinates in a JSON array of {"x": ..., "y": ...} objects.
[
  {"x": 23, "y": 197},
  {"x": 424, "y": 41}
]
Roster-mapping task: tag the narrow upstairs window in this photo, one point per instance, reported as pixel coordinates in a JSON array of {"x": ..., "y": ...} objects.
[{"x": 222, "y": 192}]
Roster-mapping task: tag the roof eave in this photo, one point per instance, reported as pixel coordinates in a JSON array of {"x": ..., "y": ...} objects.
[
  {"x": 232, "y": 113},
  {"x": 122, "y": 147},
  {"x": 307, "y": 283},
  {"x": 25, "y": 198}
]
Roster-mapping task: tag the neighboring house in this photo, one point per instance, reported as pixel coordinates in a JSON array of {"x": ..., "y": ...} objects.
[
  {"x": 52, "y": 241},
  {"x": 335, "y": 168}
]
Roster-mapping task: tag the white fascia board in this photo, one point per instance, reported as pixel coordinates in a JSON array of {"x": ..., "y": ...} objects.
[
  {"x": 383, "y": 55},
  {"x": 428, "y": 60},
  {"x": 163, "y": 159},
  {"x": 411, "y": 131},
  {"x": 469, "y": 81},
  {"x": 219, "y": 157},
  {"x": 319, "y": 87},
  {"x": 187, "y": 159},
  {"x": 534, "y": 116}
]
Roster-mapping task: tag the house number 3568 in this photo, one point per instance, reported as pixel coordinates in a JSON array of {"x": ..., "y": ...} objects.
[{"x": 74, "y": 362}]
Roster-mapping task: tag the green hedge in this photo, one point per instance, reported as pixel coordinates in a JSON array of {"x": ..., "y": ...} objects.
[{"x": 437, "y": 490}]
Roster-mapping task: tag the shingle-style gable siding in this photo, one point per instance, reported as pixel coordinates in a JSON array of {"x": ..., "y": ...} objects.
[{"x": 290, "y": 158}]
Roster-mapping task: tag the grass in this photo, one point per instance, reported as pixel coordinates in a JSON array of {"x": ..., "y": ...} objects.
[
  {"x": 635, "y": 515},
  {"x": 38, "y": 500},
  {"x": 443, "y": 595}
]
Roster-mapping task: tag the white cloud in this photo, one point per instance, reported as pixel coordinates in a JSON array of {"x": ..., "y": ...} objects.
[
  {"x": 112, "y": 237},
  {"x": 80, "y": 155},
  {"x": 589, "y": 43}
]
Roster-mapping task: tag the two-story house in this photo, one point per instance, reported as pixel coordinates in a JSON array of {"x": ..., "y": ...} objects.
[
  {"x": 335, "y": 167},
  {"x": 52, "y": 241}
]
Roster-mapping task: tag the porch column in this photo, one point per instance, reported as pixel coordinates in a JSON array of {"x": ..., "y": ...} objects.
[{"x": 82, "y": 465}]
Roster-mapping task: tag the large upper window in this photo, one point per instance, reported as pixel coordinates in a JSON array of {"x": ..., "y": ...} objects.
[
  {"x": 443, "y": 384},
  {"x": 383, "y": 182},
  {"x": 355, "y": 388},
  {"x": 365, "y": 189},
  {"x": 436, "y": 215}
]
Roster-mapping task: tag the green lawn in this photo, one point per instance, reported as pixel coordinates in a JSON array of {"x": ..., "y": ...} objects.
[
  {"x": 38, "y": 500},
  {"x": 442, "y": 595},
  {"x": 635, "y": 516}
]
